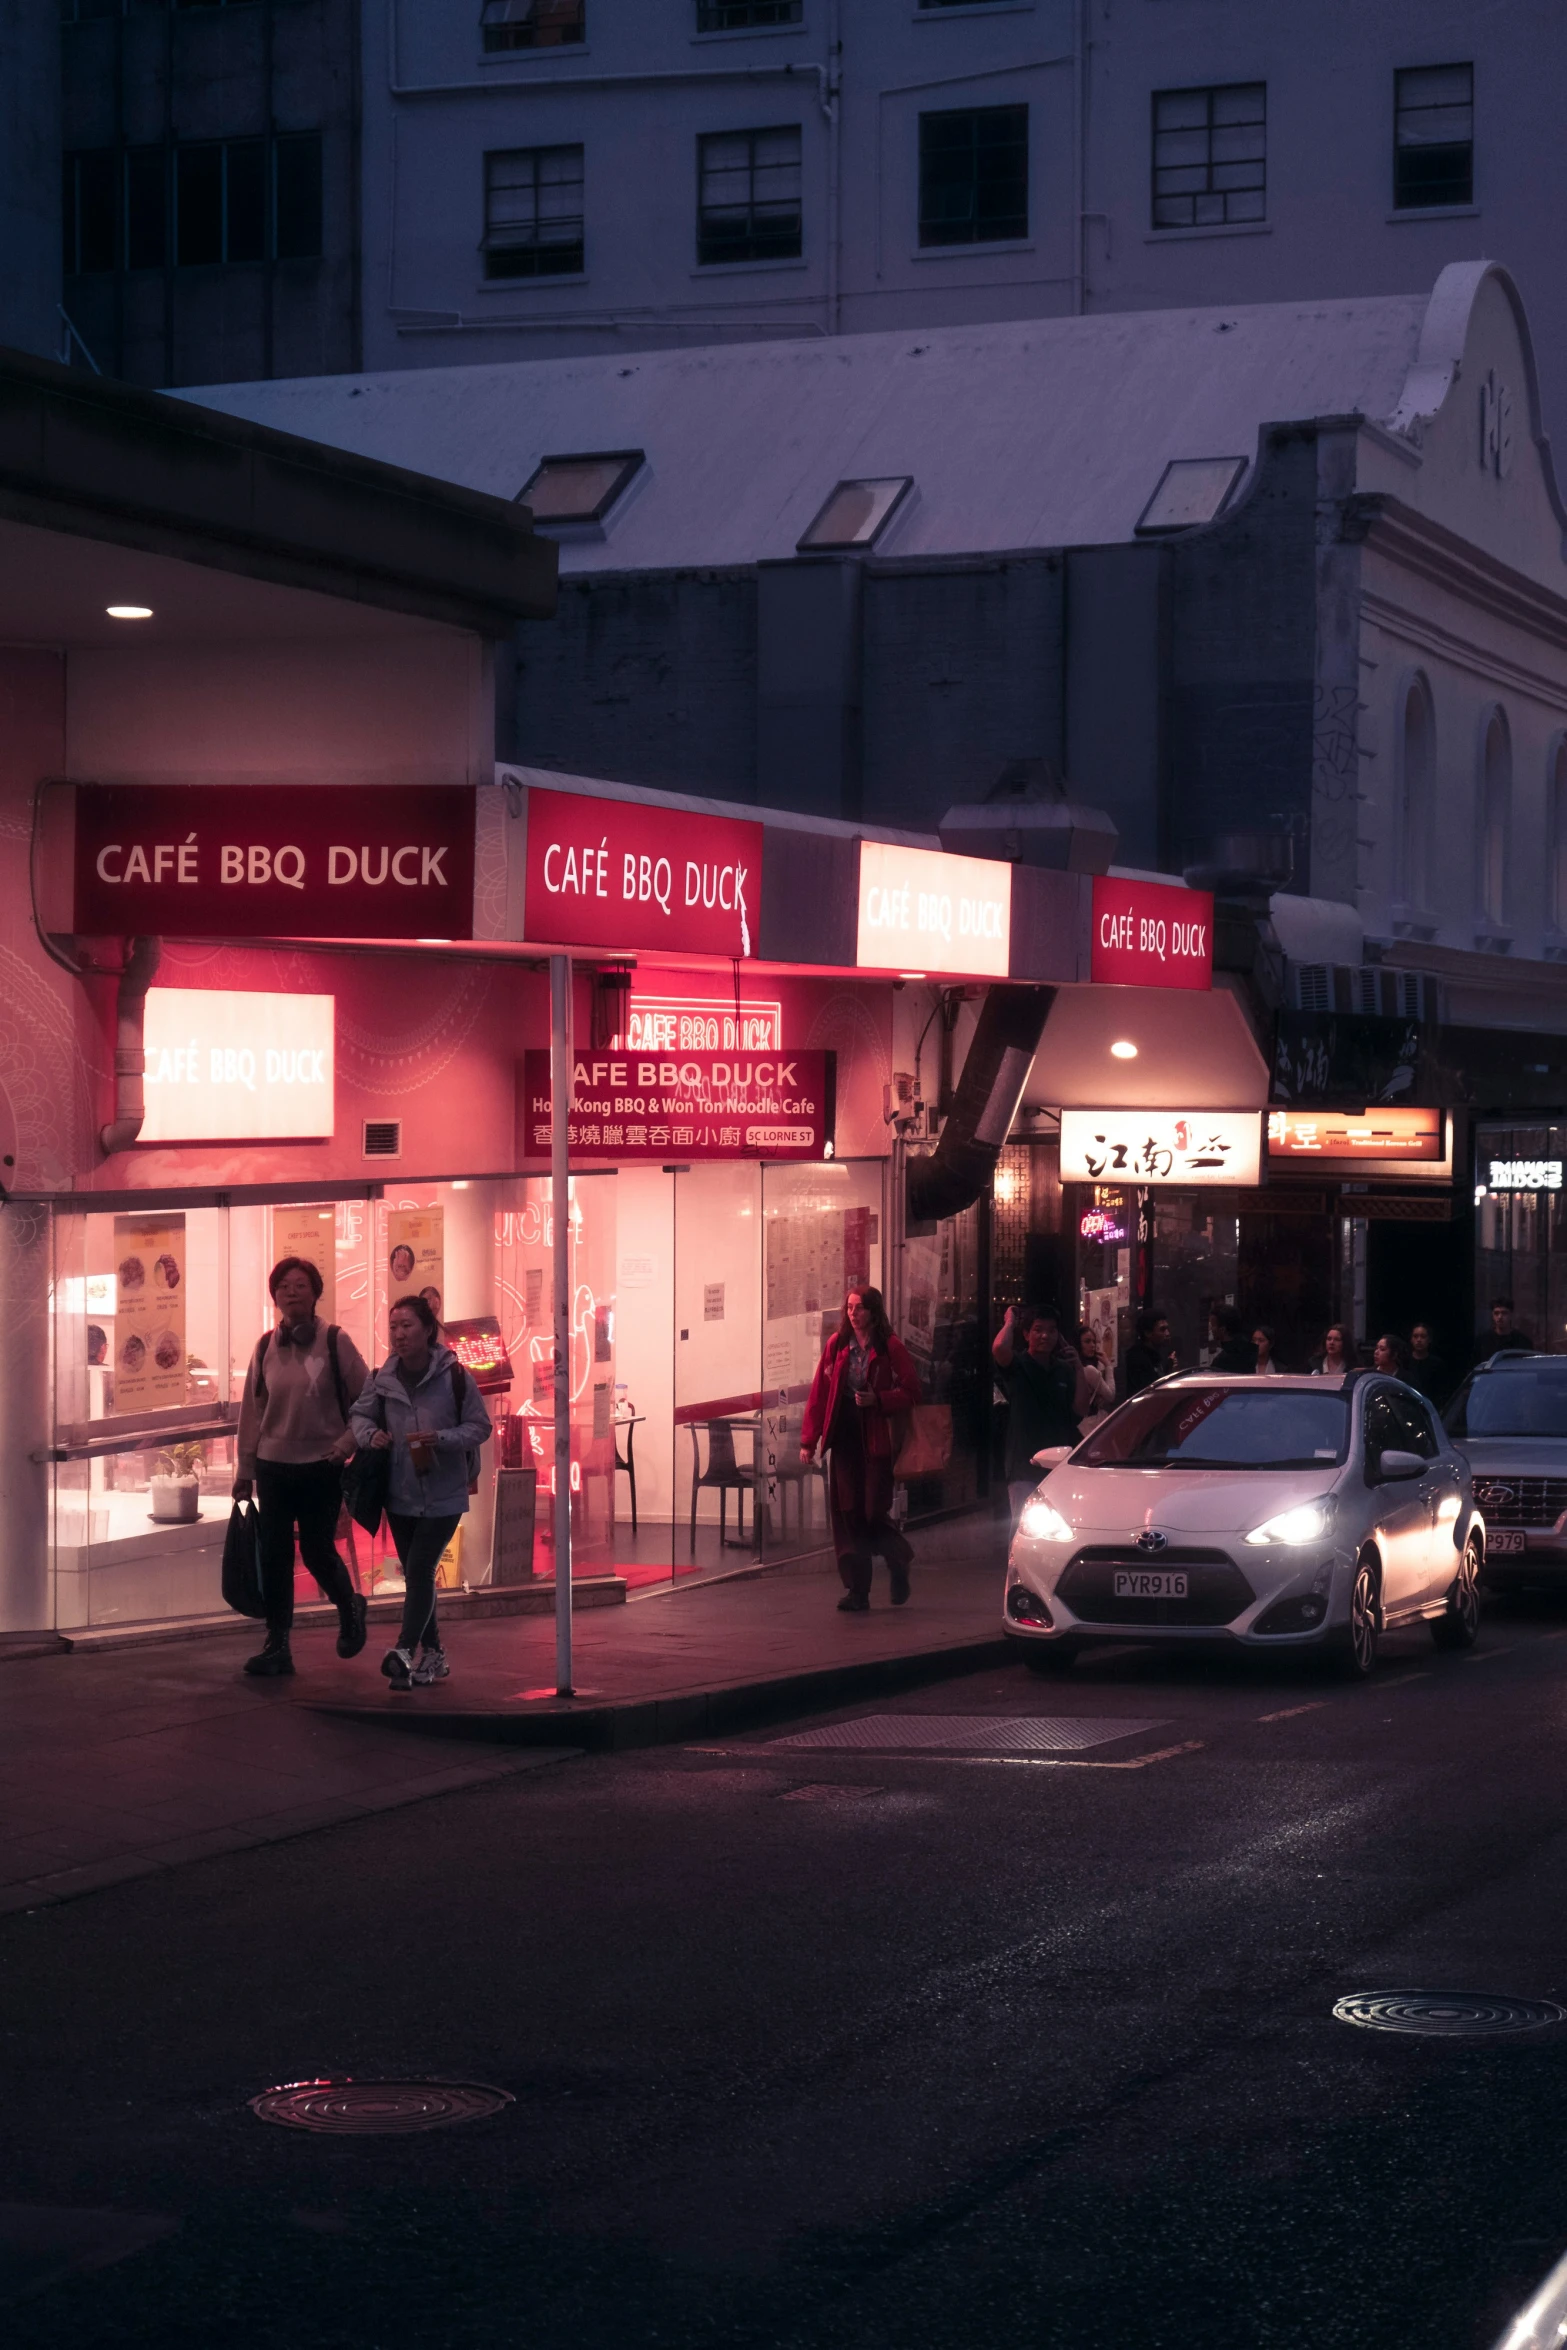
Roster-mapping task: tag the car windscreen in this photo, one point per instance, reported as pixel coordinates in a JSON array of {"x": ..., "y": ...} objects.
[
  {"x": 1221, "y": 1428},
  {"x": 1531, "y": 1401}
]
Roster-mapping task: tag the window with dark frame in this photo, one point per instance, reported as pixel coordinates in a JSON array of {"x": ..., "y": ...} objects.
[
  {"x": 748, "y": 196},
  {"x": 533, "y": 217},
  {"x": 1210, "y": 152},
  {"x": 204, "y": 203},
  {"x": 532, "y": 24},
  {"x": 974, "y": 176},
  {"x": 1433, "y": 136},
  {"x": 740, "y": 16}
]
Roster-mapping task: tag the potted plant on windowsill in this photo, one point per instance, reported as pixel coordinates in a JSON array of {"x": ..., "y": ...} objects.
[{"x": 176, "y": 1485}]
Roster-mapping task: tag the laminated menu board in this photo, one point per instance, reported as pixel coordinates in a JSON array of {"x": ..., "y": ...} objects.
[
  {"x": 310, "y": 1233},
  {"x": 149, "y": 1316},
  {"x": 416, "y": 1255}
]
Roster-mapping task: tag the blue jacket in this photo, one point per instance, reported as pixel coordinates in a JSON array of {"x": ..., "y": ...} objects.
[{"x": 384, "y": 1402}]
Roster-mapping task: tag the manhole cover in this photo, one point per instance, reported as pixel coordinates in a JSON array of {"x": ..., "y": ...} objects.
[
  {"x": 1446, "y": 2014},
  {"x": 376, "y": 2108},
  {"x": 969, "y": 1733}
]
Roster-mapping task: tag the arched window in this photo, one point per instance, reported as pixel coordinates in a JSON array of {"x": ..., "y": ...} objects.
[
  {"x": 1495, "y": 820},
  {"x": 1416, "y": 789},
  {"x": 1556, "y": 817}
]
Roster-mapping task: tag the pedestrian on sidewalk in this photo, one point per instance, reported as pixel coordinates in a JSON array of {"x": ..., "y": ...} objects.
[
  {"x": 864, "y": 1387},
  {"x": 1425, "y": 1370},
  {"x": 1234, "y": 1355},
  {"x": 1504, "y": 1334},
  {"x": 1262, "y": 1340},
  {"x": 1046, "y": 1393},
  {"x": 1151, "y": 1355},
  {"x": 1336, "y": 1359},
  {"x": 294, "y": 1437},
  {"x": 422, "y": 1405},
  {"x": 1097, "y": 1375},
  {"x": 1391, "y": 1354}
]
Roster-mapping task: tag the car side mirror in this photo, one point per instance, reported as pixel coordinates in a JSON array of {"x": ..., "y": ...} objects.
[
  {"x": 1394, "y": 1465},
  {"x": 1051, "y": 1456}
]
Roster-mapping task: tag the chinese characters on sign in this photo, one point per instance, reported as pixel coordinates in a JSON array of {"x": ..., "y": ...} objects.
[
  {"x": 1159, "y": 1146},
  {"x": 696, "y": 1105},
  {"x": 1150, "y": 934},
  {"x": 227, "y": 1066},
  {"x": 285, "y": 860},
  {"x": 620, "y": 874},
  {"x": 1373, "y": 1136},
  {"x": 925, "y": 910}
]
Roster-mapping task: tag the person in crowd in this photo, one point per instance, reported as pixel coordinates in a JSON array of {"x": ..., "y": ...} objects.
[
  {"x": 1234, "y": 1354},
  {"x": 1424, "y": 1370},
  {"x": 1503, "y": 1334},
  {"x": 1151, "y": 1355},
  {"x": 1046, "y": 1391},
  {"x": 1262, "y": 1340},
  {"x": 1337, "y": 1356},
  {"x": 294, "y": 1437},
  {"x": 1098, "y": 1377},
  {"x": 1391, "y": 1354},
  {"x": 424, "y": 1406},
  {"x": 865, "y": 1385}
]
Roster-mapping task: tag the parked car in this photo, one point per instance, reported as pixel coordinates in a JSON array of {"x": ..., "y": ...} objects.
[
  {"x": 1509, "y": 1419},
  {"x": 1261, "y": 1513}
]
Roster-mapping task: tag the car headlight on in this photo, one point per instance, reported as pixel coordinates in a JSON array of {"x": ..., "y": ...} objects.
[
  {"x": 1044, "y": 1521},
  {"x": 1311, "y": 1522}
]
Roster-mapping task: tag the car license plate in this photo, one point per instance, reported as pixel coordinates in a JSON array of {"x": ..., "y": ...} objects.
[
  {"x": 1500, "y": 1540},
  {"x": 1149, "y": 1583}
]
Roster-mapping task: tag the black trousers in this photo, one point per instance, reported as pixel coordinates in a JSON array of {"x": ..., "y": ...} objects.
[
  {"x": 309, "y": 1495},
  {"x": 859, "y": 1494},
  {"x": 420, "y": 1542}
]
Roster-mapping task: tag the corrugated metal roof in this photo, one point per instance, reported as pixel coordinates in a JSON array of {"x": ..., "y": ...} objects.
[{"x": 1028, "y": 433}]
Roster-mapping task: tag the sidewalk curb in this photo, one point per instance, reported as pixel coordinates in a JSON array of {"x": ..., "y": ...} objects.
[{"x": 611, "y": 1728}]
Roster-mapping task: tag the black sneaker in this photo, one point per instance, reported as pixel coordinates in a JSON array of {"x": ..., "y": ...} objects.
[
  {"x": 854, "y": 1603},
  {"x": 398, "y": 1666},
  {"x": 351, "y": 1638},
  {"x": 274, "y": 1659}
]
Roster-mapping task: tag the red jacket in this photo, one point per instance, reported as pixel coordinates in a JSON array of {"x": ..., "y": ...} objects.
[{"x": 894, "y": 1381}]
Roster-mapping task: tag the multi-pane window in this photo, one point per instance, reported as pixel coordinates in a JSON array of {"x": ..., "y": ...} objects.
[
  {"x": 205, "y": 202},
  {"x": 533, "y": 222},
  {"x": 1210, "y": 155},
  {"x": 737, "y": 16},
  {"x": 1433, "y": 136},
  {"x": 532, "y": 24},
  {"x": 748, "y": 195},
  {"x": 974, "y": 176}
]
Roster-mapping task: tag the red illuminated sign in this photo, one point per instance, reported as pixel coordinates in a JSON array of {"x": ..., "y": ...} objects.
[
  {"x": 687, "y": 1105},
  {"x": 617, "y": 874},
  {"x": 480, "y": 1347},
  {"x": 274, "y": 860},
  {"x": 1147, "y": 934},
  {"x": 702, "y": 1024},
  {"x": 1383, "y": 1134}
]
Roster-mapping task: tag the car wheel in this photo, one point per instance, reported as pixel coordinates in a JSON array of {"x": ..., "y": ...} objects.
[
  {"x": 1049, "y": 1657},
  {"x": 1359, "y": 1653},
  {"x": 1459, "y": 1624}
]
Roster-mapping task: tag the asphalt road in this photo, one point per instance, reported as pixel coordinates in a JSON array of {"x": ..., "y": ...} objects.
[{"x": 816, "y": 2046}]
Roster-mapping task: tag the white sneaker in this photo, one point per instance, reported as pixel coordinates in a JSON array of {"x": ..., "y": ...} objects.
[
  {"x": 432, "y": 1666},
  {"x": 398, "y": 1666}
]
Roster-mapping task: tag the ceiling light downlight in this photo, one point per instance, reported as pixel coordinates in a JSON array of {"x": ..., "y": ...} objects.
[
  {"x": 1123, "y": 1049},
  {"x": 129, "y": 611}
]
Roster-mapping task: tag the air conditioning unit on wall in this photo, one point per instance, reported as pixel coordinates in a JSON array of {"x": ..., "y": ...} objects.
[{"x": 1371, "y": 988}]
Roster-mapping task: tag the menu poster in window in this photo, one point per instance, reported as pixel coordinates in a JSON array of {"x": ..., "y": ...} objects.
[
  {"x": 310, "y": 1233},
  {"x": 416, "y": 1255},
  {"x": 149, "y": 1319}
]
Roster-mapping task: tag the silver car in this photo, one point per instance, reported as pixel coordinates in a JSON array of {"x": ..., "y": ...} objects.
[
  {"x": 1262, "y": 1513},
  {"x": 1509, "y": 1420}
]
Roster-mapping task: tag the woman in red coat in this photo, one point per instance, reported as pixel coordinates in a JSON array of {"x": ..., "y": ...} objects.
[{"x": 864, "y": 1386}]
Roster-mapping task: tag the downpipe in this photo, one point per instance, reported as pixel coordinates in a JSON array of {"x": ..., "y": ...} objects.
[
  {"x": 1006, "y": 1038},
  {"x": 137, "y": 974}
]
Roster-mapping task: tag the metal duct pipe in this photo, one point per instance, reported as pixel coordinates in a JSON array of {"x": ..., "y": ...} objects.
[
  {"x": 1006, "y": 1038},
  {"x": 137, "y": 974}
]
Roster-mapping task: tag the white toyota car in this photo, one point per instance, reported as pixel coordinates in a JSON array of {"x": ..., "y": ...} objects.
[{"x": 1266, "y": 1513}]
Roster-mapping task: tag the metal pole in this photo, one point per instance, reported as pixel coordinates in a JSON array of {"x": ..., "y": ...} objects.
[{"x": 560, "y": 1203}]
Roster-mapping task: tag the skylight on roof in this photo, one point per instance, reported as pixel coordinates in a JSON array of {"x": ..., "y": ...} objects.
[
  {"x": 579, "y": 489},
  {"x": 857, "y": 513},
  {"x": 1191, "y": 490}
]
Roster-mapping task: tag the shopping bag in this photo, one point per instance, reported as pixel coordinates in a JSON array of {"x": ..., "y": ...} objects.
[
  {"x": 242, "y": 1562},
  {"x": 366, "y": 1481},
  {"x": 927, "y": 1448}
]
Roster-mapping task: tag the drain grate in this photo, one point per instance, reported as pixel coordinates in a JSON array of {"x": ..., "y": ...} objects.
[
  {"x": 968, "y": 1733},
  {"x": 377, "y": 2108},
  {"x": 1446, "y": 2014}
]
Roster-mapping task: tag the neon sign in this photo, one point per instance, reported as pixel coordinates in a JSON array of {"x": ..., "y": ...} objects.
[
  {"x": 1099, "y": 1224},
  {"x": 700, "y": 1024}
]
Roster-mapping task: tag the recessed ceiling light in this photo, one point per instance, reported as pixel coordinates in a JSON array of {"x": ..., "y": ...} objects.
[
  {"x": 911, "y": 974},
  {"x": 129, "y": 611},
  {"x": 1123, "y": 1050}
]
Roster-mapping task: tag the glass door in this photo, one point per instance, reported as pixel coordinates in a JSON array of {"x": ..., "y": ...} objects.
[{"x": 717, "y": 1467}]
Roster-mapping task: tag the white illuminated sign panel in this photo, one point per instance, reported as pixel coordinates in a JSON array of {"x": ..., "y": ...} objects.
[
  {"x": 230, "y": 1067},
  {"x": 1161, "y": 1146},
  {"x": 1526, "y": 1174},
  {"x": 923, "y": 910}
]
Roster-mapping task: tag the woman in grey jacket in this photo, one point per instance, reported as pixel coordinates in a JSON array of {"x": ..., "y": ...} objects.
[{"x": 423, "y": 1405}]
